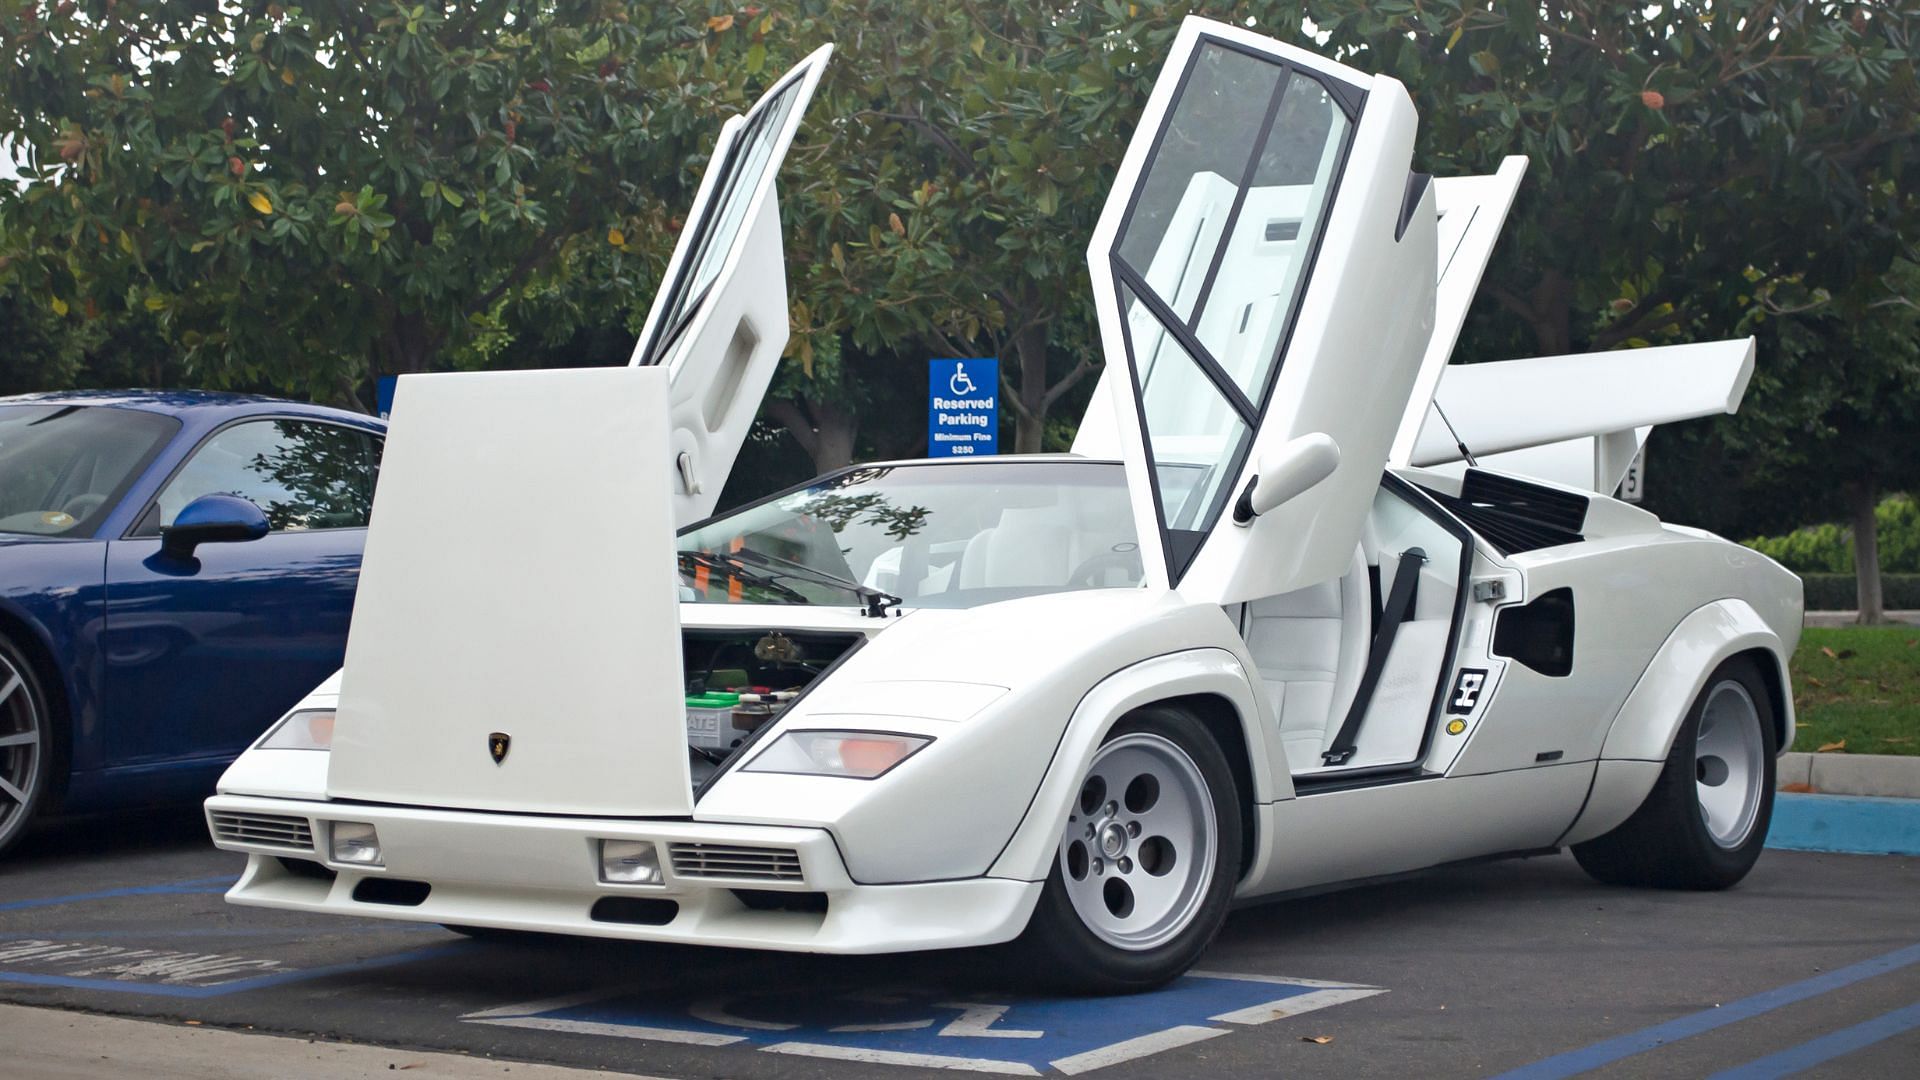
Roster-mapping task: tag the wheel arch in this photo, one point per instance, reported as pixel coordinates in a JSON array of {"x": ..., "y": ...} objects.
[
  {"x": 1712, "y": 634},
  {"x": 1211, "y": 684},
  {"x": 28, "y": 636}
]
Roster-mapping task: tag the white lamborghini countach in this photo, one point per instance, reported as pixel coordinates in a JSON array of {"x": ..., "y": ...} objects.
[{"x": 1305, "y": 606}]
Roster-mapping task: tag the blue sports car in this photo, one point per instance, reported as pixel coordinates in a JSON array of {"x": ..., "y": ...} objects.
[{"x": 176, "y": 570}]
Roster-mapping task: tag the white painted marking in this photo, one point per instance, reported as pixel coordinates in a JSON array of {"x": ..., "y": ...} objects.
[
  {"x": 622, "y": 1031},
  {"x": 1294, "y": 1006},
  {"x": 1130, "y": 1049},
  {"x": 976, "y": 1021},
  {"x": 897, "y": 1057},
  {"x": 531, "y": 1008},
  {"x": 1277, "y": 980},
  {"x": 714, "y": 1011},
  {"x": 902, "y": 1025},
  {"x": 136, "y": 965}
]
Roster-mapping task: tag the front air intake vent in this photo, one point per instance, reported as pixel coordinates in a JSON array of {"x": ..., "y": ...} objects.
[
  {"x": 734, "y": 862},
  {"x": 264, "y": 830}
]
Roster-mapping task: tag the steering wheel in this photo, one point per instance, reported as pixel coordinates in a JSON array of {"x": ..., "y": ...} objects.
[
  {"x": 81, "y": 505},
  {"x": 1126, "y": 560}
]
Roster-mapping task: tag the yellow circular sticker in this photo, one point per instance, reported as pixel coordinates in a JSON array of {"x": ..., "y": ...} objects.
[
  {"x": 1456, "y": 725},
  {"x": 59, "y": 518}
]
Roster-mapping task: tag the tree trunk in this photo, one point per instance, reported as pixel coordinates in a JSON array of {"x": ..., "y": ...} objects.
[
  {"x": 1030, "y": 420},
  {"x": 825, "y": 432},
  {"x": 1864, "y": 498}
]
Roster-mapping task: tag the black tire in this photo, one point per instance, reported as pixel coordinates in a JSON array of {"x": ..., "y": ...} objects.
[
  {"x": 25, "y": 769},
  {"x": 1058, "y": 950},
  {"x": 1667, "y": 843}
]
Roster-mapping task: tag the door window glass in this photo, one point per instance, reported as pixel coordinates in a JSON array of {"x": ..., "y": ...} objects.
[
  {"x": 743, "y": 165},
  {"x": 301, "y": 475},
  {"x": 1192, "y": 431},
  {"x": 1211, "y": 260}
]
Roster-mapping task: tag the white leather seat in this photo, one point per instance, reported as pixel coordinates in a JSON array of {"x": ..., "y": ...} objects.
[
  {"x": 1028, "y": 547},
  {"x": 1310, "y": 646}
]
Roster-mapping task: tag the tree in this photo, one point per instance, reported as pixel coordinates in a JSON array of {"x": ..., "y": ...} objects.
[{"x": 307, "y": 195}]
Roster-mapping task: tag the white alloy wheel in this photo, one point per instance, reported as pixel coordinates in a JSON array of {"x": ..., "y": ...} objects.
[
  {"x": 22, "y": 742},
  {"x": 1729, "y": 763},
  {"x": 1140, "y": 845}
]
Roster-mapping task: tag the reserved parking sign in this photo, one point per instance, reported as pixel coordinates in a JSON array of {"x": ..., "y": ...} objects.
[{"x": 963, "y": 407}]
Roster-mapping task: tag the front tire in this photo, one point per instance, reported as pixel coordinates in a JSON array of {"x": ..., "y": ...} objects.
[
  {"x": 1705, "y": 821},
  {"x": 1146, "y": 862},
  {"x": 26, "y": 745}
]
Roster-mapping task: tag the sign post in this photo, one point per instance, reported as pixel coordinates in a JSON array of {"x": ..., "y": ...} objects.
[{"x": 963, "y": 407}]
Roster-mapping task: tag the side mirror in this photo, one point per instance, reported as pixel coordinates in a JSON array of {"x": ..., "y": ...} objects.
[
  {"x": 212, "y": 519},
  {"x": 1286, "y": 473}
]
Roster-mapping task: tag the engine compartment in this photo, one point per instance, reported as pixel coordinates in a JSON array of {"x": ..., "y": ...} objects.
[{"x": 739, "y": 681}]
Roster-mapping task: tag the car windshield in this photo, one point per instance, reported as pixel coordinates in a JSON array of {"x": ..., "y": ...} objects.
[
  {"x": 63, "y": 467},
  {"x": 948, "y": 535}
]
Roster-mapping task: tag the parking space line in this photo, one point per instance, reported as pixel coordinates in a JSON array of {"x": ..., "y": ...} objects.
[
  {"x": 1574, "y": 1062},
  {"x": 1136, "y": 1048},
  {"x": 900, "y": 1057},
  {"x": 623, "y": 1031},
  {"x": 1294, "y": 1006},
  {"x": 1826, "y": 1047},
  {"x": 196, "y": 885}
]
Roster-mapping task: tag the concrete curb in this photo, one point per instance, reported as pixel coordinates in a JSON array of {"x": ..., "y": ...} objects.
[
  {"x": 1828, "y": 620},
  {"x": 1891, "y": 776},
  {"x": 1841, "y": 823}
]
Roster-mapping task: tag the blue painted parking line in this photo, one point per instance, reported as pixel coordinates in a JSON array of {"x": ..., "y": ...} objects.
[
  {"x": 1859, "y": 825},
  {"x": 211, "y": 885},
  {"x": 1016, "y": 1035},
  {"x": 1827, "y": 1047},
  {"x": 1574, "y": 1062}
]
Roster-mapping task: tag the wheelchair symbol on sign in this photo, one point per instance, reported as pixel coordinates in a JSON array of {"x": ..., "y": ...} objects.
[{"x": 961, "y": 383}]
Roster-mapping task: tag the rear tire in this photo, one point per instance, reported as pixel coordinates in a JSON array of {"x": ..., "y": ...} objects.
[
  {"x": 26, "y": 745},
  {"x": 1705, "y": 821},
  {"x": 1146, "y": 863}
]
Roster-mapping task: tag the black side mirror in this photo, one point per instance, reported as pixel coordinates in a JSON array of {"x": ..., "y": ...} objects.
[{"x": 212, "y": 519}]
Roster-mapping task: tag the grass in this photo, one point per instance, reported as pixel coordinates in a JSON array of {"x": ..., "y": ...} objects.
[{"x": 1856, "y": 690}]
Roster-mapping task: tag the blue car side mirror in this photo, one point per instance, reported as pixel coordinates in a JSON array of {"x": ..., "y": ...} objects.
[{"x": 212, "y": 519}]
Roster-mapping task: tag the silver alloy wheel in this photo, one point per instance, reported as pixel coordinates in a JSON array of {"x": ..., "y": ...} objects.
[
  {"x": 21, "y": 738},
  {"x": 1729, "y": 763},
  {"x": 1140, "y": 844}
]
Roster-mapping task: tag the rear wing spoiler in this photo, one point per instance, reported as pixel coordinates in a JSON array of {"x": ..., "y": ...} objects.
[{"x": 1602, "y": 404}]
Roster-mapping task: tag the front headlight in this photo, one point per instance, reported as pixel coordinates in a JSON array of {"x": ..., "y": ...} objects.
[
  {"x": 861, "y": 755},
  {"x": 307, "y": 729}
]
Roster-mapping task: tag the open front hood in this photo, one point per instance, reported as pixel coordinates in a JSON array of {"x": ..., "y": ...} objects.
[{"x": 515, "y": 641}]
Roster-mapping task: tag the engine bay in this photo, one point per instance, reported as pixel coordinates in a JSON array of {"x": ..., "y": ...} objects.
[{"x": 739, "y": 681}]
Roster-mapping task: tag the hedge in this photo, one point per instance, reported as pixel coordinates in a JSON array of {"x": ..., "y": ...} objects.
[
  {"x": 1828, "y": 548},
  {"x": 1839, "y": 592}
]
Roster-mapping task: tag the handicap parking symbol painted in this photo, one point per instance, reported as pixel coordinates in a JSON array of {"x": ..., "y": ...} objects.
[{"x": 1014, "y": 1035}]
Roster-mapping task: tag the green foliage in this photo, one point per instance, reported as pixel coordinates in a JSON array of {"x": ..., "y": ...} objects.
[
  {"x": 300, "y": 194},
  {"x": 1828, "y": 548},
  {"x": 1856, "y": 690},
  {"x": 1840, "y": 592}
]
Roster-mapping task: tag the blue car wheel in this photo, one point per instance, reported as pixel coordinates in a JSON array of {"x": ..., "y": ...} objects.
[{"x": 26, "y": 745}]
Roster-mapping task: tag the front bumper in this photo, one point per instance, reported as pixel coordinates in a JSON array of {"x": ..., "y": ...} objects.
[{"x": 537, "y": 873}]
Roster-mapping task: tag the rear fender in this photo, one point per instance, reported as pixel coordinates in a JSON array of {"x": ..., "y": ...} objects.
[
  {"x": 1197, "y": 672},
  {"x": 1644, "y": 730}
]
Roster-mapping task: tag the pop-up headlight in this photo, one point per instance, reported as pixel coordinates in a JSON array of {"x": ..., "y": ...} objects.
[
  {"x": 629, "y": 862},
  {"x": 308, "y": 729},
  {"x": 355, "y": 843},
  {"x": 861, "y": 755}
]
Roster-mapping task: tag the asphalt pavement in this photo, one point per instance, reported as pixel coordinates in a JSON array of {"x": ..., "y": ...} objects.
[{"x": 1525, "y": 969}]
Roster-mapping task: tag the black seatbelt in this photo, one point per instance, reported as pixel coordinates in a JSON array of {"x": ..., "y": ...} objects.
[{"x": 1399, "y": 605}]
